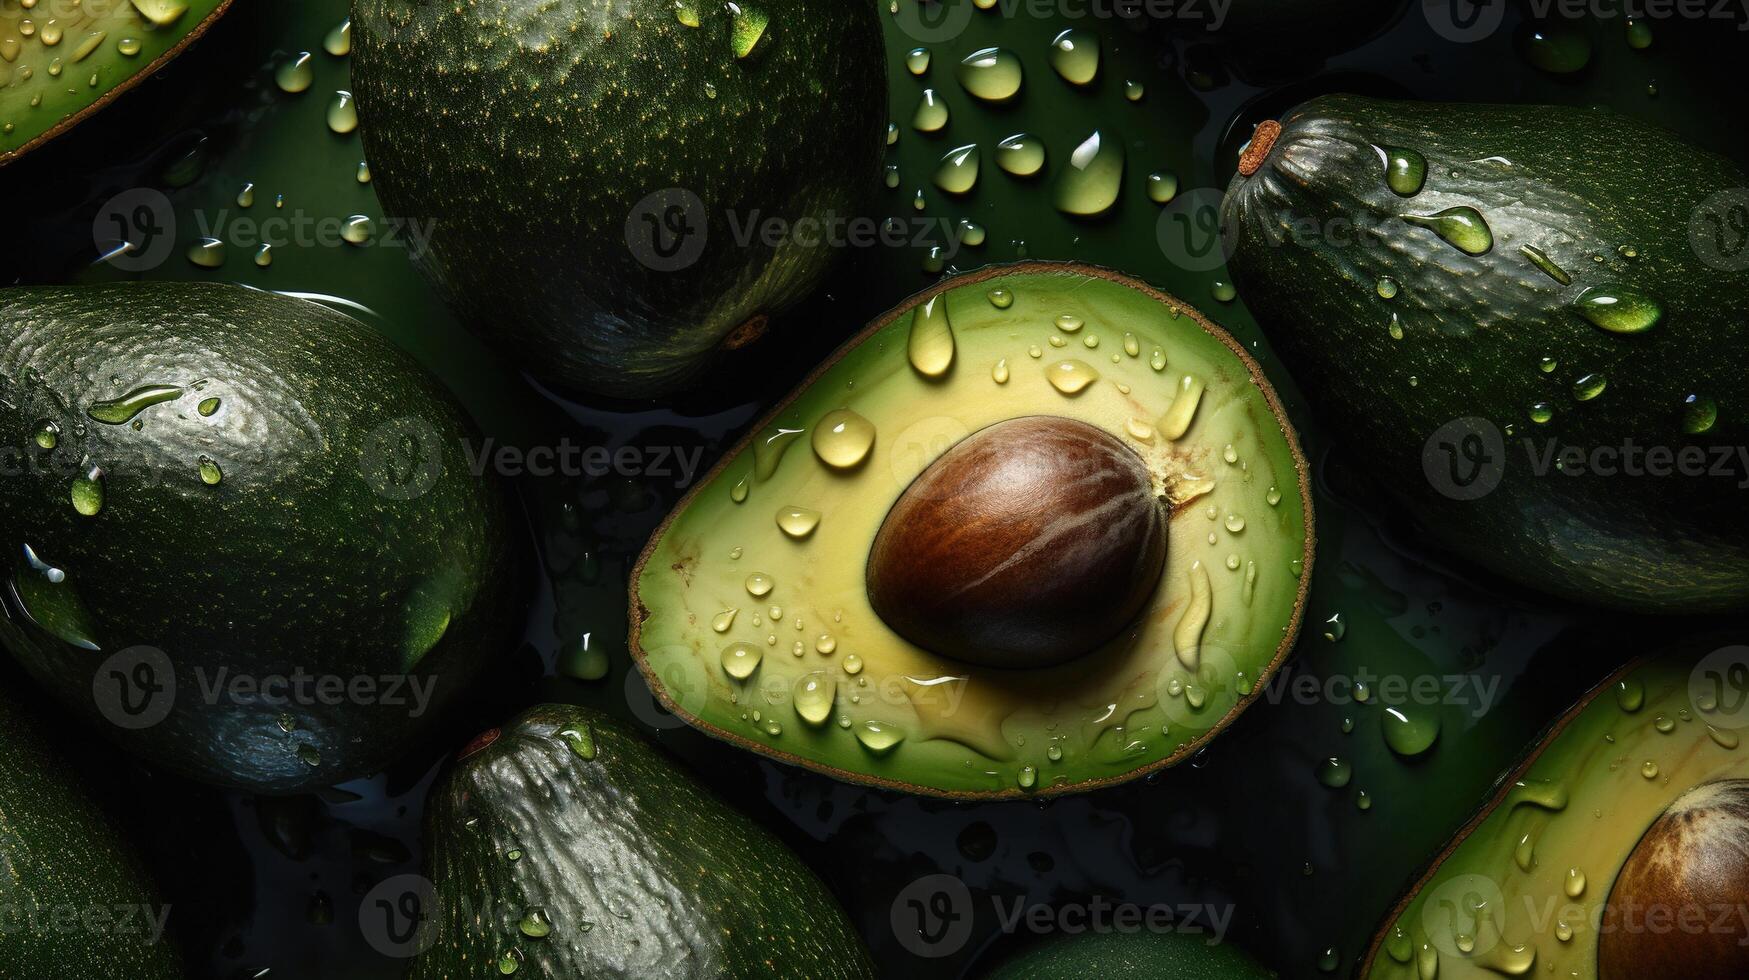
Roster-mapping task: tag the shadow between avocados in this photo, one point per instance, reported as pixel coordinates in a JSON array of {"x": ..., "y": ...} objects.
[{"x": 1011, "y": 412}]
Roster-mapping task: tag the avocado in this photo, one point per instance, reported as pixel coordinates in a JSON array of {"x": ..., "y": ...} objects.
[
  {"x": 62, "y": 62},
  {"x": 1513, "y": 314},
  {"x": 78, "y": 901},
  {"x": 245, "y": 534},
  {"x": 1038, "y": 529},
  {"x": 1626, "y": 825},
  {"x": 605, "y": 185},
  {"x": 1155, "y": 955},
  {"x": 566, "y": 845}
]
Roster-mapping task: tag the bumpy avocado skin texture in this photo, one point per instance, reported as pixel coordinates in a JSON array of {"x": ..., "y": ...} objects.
[
  {"x": 722, "y": 576},
  {"x": 48, "y": 87},
  {"x": 639, "y": 870},
  {"x": 64, "y": 861},
  {"x": 1157, "y": 956},
  {"x": 1582, "y": 186},
  {"x": 532, "y": 134},
  {"x": 1580, "y": 802},
  {"x": 346, "y": 542}
]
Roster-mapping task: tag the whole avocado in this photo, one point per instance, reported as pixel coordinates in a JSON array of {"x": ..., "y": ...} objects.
[
  {"x": 1520, "y": 318},
  {"x": 603, "y": 177},
  {"x": 76, "y": 899},
  {"x": 566, "y": 844},
  {"x": 243, "y": 533}
]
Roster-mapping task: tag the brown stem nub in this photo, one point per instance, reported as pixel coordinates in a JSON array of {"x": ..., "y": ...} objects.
[
  {"x": 480, "y": 741},
  {"x": 746, "y": 333},
  {"x": 1262, "y": 141}
]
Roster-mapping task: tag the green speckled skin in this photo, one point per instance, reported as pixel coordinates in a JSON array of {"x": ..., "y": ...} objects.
[
  {"x": 1580, "y": 184},
  {"x": 642, "y": 873},
  {"x": 330, "y": 546},
  {"x": 1126, "y": 955},
  {"x": 530, "y": 132},
  {"x": 61, "y": 859}
]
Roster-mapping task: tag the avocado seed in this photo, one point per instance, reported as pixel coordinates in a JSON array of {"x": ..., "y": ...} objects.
[
  {"x": 1676, "y": 907},
  {"x": 1029, "y": 543}
]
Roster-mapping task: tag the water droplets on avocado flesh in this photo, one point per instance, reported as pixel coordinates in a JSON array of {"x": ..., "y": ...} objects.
[
  {"x": 813, "y": 696},
  {"x": 878, "y": 737},
  {"x": 797, "y": 523},
  {"x": 958, "y": 171},
  {"x": 930, "y": 346},
  {"x": 1075, "y": 56},
  {"x": 1619, "y": 308},
  {"x": 1090, "y": 184},
  {"x": 1463, "y": 227},
  {"x": 843, "y": 439},
  {"x": 740, "y": 660},
  {"x": 990, "y": 74},
  {"x": 1021, "y": 155},
  {"x": 120, "y": 411}
]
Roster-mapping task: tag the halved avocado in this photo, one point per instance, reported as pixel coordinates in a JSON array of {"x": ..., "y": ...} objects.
[
  {"x": 937, "y": 566},
  {"x": 60, "y": 62},
  {"x": 1616, "y": 851}
]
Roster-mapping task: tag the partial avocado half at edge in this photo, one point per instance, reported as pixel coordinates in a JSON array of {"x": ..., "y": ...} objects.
[
  {"x": 60, "y": 62},
  {"x": 1635, "y": 803},
  {"x": 1037, "y": 530}
]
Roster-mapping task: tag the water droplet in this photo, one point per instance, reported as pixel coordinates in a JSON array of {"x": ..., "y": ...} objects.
[
  {"x": 1639, "y": 34},
  {"x": 853, "y": 664},
  {"x": 295, "y": 75},
  {"x": 1223, "y": 291},
  {"x": 1075, "y": 56},
  {"x": 342, "y": 114},
  {"x": 798, "y": 522},
  {"x": 686, "y": 12},
  {"x": 931, "y": 114},
  {"x": 990, "y": 74},
  {"x": 119, "y": 411},
  {"x": 129, "y": 46},
  {"x": 957, "y": 173},
  {"x": 358, "y": 229},
  {"x": 1542, "y": 413},
  {"x": 1699, "y": 414},
  {"x": 1090, "y": 184},
  {"x": 931, "y": 344},
  {"x": 338, "y": 41},
  {"x": 264, "y": 255},
  {"x": 87, "y": 492},
  {"x": 46, "y": 434},
  {"x": 917, "y": 61},
  {"x": 1336, "y": 627},
  {"x": 1134, "y": 90},
  {"x": 581, "y": 742},
  {"x": 843, "y": 438},
  {"x": 535, "y": 924},
  {"x": 1722, "y": 738},
  {"x": 878, "y": 736},
  {"x": 1405, "y": 170},
  {"x": 246, "y": 196},
  {"x": 723, "y": 620},
  {"x": 1028, "y": 777},
  {"x": 1386, "y": 287},
  {"x": 1589, "y": 386},
  {"x": 1021, "y": 155},
  {"x": 759, "y": 585},
  {"x": 1575, "y": 885},
  {"x": 970, "y": 232},
  {"x": 1555, "y": 49},
  {"x": 1630, "y": 694},
  {"x": 1162, "y": 187},
  {"x": 208, "y": 253},
  {"x": 1335, "y": 772},
  {"x": 1070, "y": 377},
  {"x": 747, "y": 28},
  {"x": 814, "y": 694},
  {"x": 1176, "y": 422},
  {"x": 1410, "y": 730},
  {"x": 210, "y": 474},
  {"x": 1619, "y": 308},
  {"x": 1462, "y": 227},
  {"x": 1649, "y": 769},
  {"x": 309, "y": 755},
  {"x": 1000, "y": 298},
  {"x": 362, "y": 175},
  {"x": 999, "y": 372},
  {"x": 740, "y": 660},
  {"x": 1541, "y": 260}
]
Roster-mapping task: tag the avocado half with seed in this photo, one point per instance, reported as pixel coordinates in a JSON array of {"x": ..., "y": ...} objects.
[
  {"x": 1038, "y": 530},
  {"x": 566, "y": 845},
  {"x": 60, "y": 62},
  {"x": 604, "y": 178},
  {"x": 1516, "y": 316},
  {"x": 243, "y": 535},
  {"x": 1618, "y": 851}
]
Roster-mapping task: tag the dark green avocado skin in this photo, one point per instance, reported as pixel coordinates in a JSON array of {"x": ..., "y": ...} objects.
[
  {"x": 76, "y": 899},
  {"x": 533, "y": 134},
  {"x": 641, "y": 872},
  {"x": 1137, "y": 954},
  {"x": 1315, "y": 229},
  {"x": 345, "y": 530}
]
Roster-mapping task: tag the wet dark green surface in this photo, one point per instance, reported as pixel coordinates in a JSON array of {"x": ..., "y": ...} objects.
[{"x": 1246, "y": 825}]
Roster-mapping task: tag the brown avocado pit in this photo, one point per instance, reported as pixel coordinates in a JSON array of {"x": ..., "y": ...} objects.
[
  {"x": 1663, "y": 918},
  {"x": 1029, "y": 543}
]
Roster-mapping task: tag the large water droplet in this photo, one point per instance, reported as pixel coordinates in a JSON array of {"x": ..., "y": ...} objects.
[
  {"x": 931, "y": 344},
  {"x": 814, "y": 694},
  {"x": 1461, "y": 226},
  {"x": 87, "y": 492},
  {"x": 740, "y": 660},
  {"x": 120, "y": 411},
  {"x": 1699, "y": 414},
  {"x": 747, "y": 28},
  {"x": 1619, "y": 308},
  {"x": 931, "y": 113},
  {"x": 1405, "y": 170},
  {"x": 1021, "y": 155},
  {"x": 878, "y": 736},
  {"x": 798, "y": 522},
  {"x": 295, "y": 75},
  {"x": 843, "y": 438},
  {"x": 1410, "y": 729},
  {"x": 958, "y": 171},
  {"x": 342, "y": 114},
  {"x": 990, "y": 74},
  {"x": 1070, "y": 377},
  {"x": 1093, "y": 178},
  {"x": 1075, "y": 56},
  {"x": 338, "y": 41}
]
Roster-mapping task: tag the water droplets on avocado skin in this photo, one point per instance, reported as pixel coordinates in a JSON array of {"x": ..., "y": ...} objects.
[
  {"x": 120, "y": 411},
  {"x": 296, "y": 74},
  {"x": 1699, "y": 414},
  {"x": 1021, "y": 155},
  {"x": 342, "y": 113},
  {"x": 1075, "y": 56},
  {"x": 958, "y": 171},
  {"x": 991, "y": 74},
  {"x": 1462, "y": 227},
  {"x": 931, "y": 114},
  {"x": 1619, "y": 308},
  {"x": 1546, "y": 265},
  {"x": 1090, "y": 185},
  {"x": 1405, "y": 170}
]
